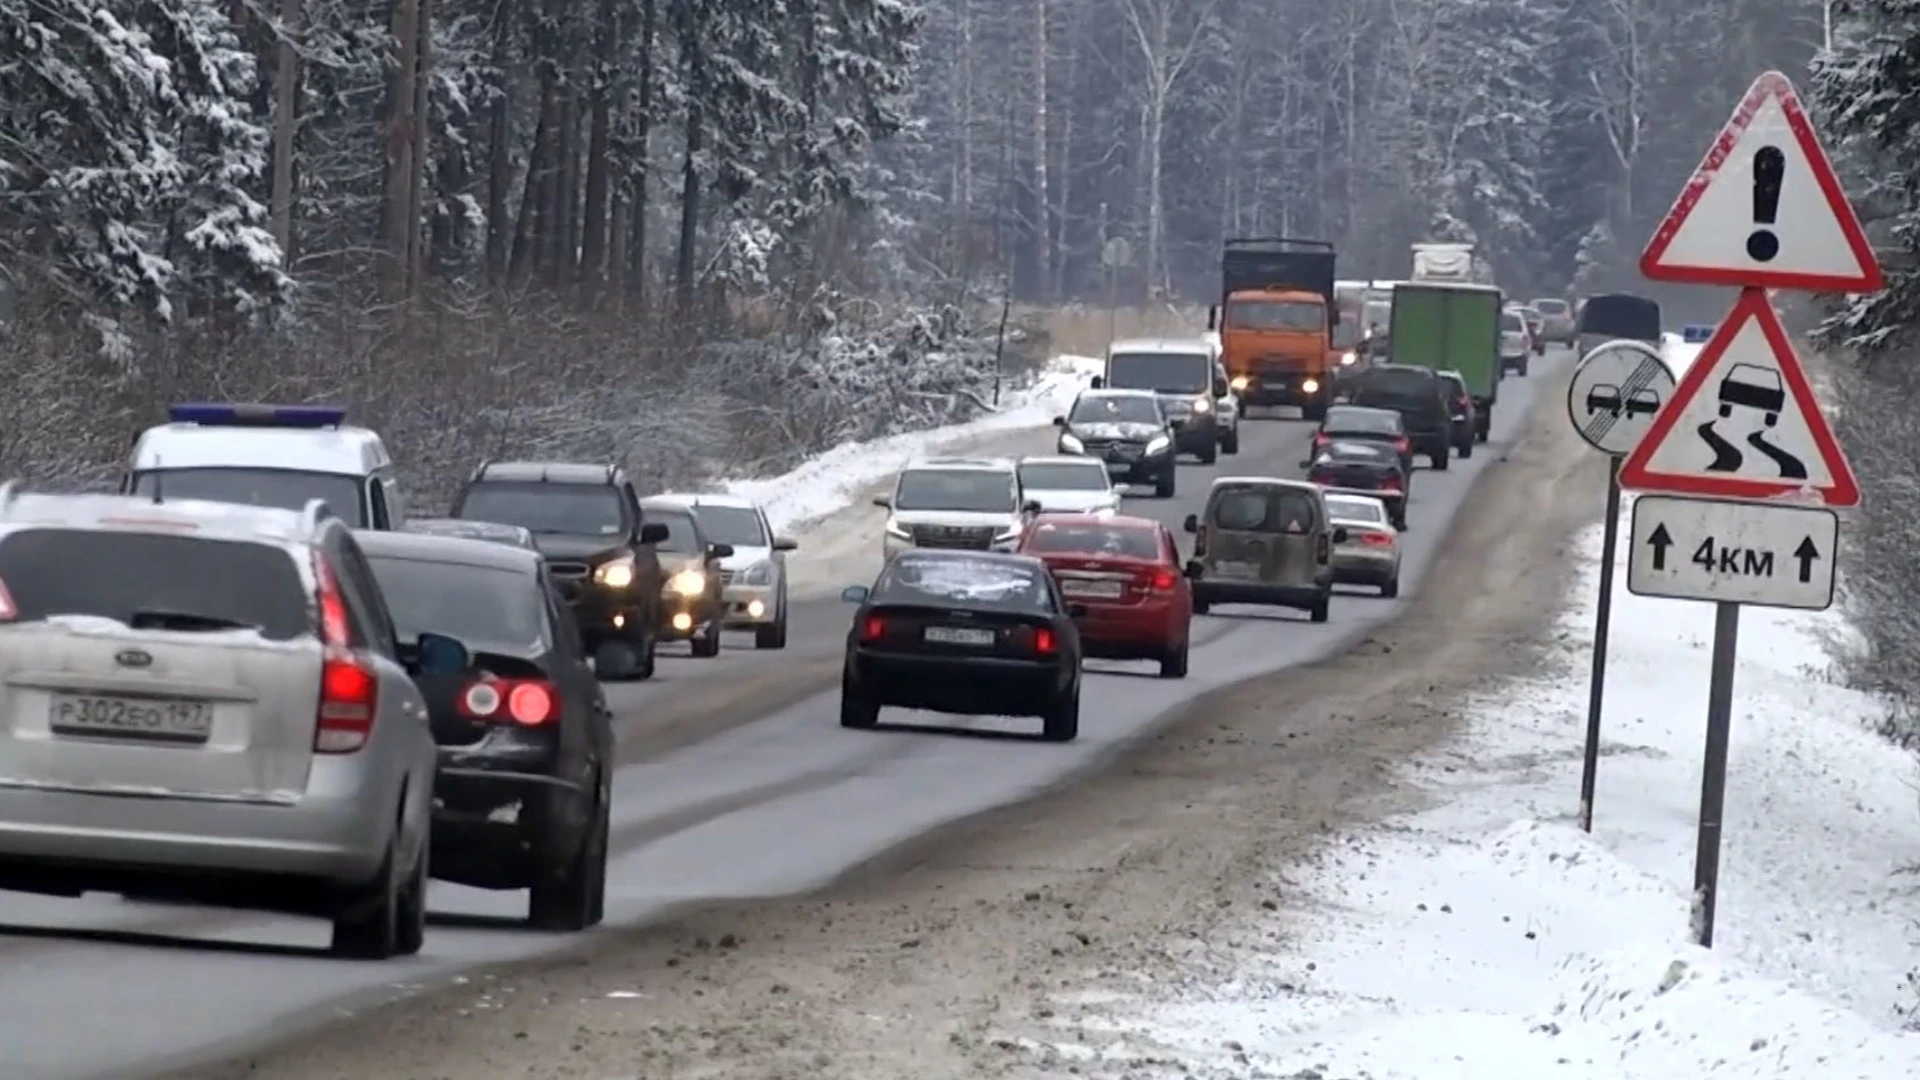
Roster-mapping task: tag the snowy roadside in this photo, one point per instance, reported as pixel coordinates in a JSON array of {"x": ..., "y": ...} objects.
[{"x": 1489, "y": 938}]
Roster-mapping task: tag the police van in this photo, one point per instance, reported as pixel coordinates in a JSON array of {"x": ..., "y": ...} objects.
[{"x": 269, "y": 455}]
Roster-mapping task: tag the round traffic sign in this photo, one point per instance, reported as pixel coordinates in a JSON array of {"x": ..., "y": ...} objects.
[
  {"x": 1116, "y": 252},
  {"x": 1615, "y": 392}
]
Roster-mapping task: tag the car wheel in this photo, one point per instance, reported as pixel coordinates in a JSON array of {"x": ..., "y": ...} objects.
[
  {"x": 1439, "y": 461},
  {"x": 569, "y": 898},
  {"x": 1319, "y": 611},
  {"x": 1210, "y": 455},
  {"x": 1163, "y": 487},
  {"x": 1520, "y": 369},
  {"x": 1062, "y": 720},
  {"x": 1231, "y": 444},
  {"x": 1392, "y": 587},
  {"x": 1174, "y": 664},
  {"x": 706, "y": 644},
  {"x": 371, "y": 928},
  {"x": 1200, "y": 607},
  {"x": 857, "y": 711},
  {"x": 1466, "y": 449}
]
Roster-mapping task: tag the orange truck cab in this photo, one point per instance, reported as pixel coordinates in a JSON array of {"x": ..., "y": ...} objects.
[{"x": 1276, "y": 321}]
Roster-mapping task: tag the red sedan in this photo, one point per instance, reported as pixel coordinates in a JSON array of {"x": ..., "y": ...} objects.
[{"x": 1126, "y": 571}]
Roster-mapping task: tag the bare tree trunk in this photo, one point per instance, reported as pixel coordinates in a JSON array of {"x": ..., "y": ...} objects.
[
  {"x": 1042, "y": 230},
  {"x": 1063, "y": 196},
  {"x": 500, "y": 150},
  {"x": 686, "y": 265},
  {"x": 593, "y": 243},
  {"x": 395, "y": 228},
  {"x": 642, "y": 182},
  {"x": 530, "y": 229},
  {"x": 963, "y": 198},
  {"x": 422, "y": 121},
  {"x": 286, "y": 121}
]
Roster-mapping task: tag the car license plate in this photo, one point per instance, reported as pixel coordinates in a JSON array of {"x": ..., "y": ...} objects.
[
  {"x": 108, "y": 716},
  {"x": 1226, "y": 568},
  {"x": 1075, "y": 587},
  {"x": 958, "y": 635}
]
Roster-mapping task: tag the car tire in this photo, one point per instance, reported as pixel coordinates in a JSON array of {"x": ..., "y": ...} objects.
[
  {"x": 1520, "y": 369},
  {"x": 856, "y": 711},
  {"x": 1163, "y": 487},
  {"x": 706, "y": 644},
  {"x": 1209, "y": 455},
  {"x": 390, "y": 918},
  {"x": 1392, "y": 587},
  {"x": 1321, "y": 607},
  {"x": 1231, "y": 444},
  {"x": 775, "y": 636},
  {"x": 1466, "y": 450},
  {"x": 568, "y": 898},
  {"x": 1061, "y": 722},
  {"x": 1200, "y": 607},
  {"x": 1173, "y": 665},
  {"x": 1440, "y": 460}
]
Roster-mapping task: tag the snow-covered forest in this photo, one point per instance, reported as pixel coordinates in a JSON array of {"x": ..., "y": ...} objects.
[{"x": 717, "y": 233}]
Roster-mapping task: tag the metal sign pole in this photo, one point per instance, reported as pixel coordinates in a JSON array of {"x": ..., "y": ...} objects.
[
  {"x": 1713, "y": 777},
  {"x": 1603, "y": 617}
]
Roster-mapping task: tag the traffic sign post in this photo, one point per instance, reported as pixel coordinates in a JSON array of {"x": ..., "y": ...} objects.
[
  {"x": 1764, "y": 211},
  {"x": 1615, "y": 392}
]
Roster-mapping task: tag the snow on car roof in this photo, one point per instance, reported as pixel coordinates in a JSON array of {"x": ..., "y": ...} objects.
[{"x": 968, "y": 577}]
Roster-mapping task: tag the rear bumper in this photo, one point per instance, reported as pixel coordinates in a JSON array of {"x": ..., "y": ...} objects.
[
  {"x": 1129, "y": 631},
  {"x": 1246, "y": 592},
  {"x": 1364, "y": 567},
  {"x": 499, "y": 829},
  {"x": 967, "y": 686}
]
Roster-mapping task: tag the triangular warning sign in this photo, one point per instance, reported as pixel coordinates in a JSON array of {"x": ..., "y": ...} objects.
[
  {"x": 1743, "y": 423},
  {"x": 1764, "y": 208}
]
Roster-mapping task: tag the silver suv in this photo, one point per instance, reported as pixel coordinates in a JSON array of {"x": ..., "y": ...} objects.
[
  {"x": 969, "y": 503},
  {"x": 206, "y": 702}
]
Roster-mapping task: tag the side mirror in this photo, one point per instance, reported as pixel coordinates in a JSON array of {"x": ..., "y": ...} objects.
[
  {"x": 1213, "y": 317},
  {"x": 719, "y": 551},
  {"x": 1097, "y": 382},
  {"x": 1031, "y": 506},
  {"x": 1060, "y": 422},
  {"x": 783, "y": 543},
  {"x": 1305, "y": 464},
  {"x": 1193, "y": 570},
  {"x": 884, "y": 502},
  {"x": 1341, "y": 535},
  {"x": 1220, "y": 389},
  {"x": 652, "y": 534},
  {"x": 1076, "y": 611},
  {"x": 438, "y": 654},
  {"x": 1192, "y": 524},
  {"x": 855, "y": 594}
]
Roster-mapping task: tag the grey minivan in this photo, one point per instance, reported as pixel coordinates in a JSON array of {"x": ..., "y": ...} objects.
[{"x": 1263, "y": 540}]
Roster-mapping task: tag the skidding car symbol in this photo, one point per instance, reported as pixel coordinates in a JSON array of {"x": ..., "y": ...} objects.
[
  {"x": 1606, "y": 396},
  {"x": 1756, "y": 388}
]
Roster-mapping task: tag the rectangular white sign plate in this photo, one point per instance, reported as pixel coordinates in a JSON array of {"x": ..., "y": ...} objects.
[{"x": 1767, "y": 554}]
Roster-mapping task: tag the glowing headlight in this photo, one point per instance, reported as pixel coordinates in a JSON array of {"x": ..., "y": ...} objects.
[
  {"x": 1202, "y": 405},
  {"x": 1349, "y": 357},
  {"x": 615, "y": 575},
  {"x": 1310, "y": 386},
  {"x": 1240, "y": 382},
  {"x": 688, "y": 583},
  {"x": 760, "y": 573},
  {"x": 897, "y": 530},
  {"x": 1157, "y": 444},
  {"x": 1072, "y": 445}
]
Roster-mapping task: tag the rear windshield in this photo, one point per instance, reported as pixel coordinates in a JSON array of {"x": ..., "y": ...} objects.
[
  {"x": 1293, "y": 315},
  {"x": 547, "y": 509},
  {"x": 1130, "y": 541},
  {"x": 286, "y": 489},
  {"x": 478, "y": 604},
  {"x": 1550, "y": 307},
  {"x": 1062, "y": 476},
  {"x": 1172, "y": 373},
  {"x": 1347, "y": 508},
  {"x": 1270, "y": 510},
  {"x": 1511, "y": 322},
  {"x": 1403, "y": 383},
  {"x": 736, "y": 526},
  {"x": 1623, "y": 316},
  {"x": 157, "y": 581},
  {"x": 1000, "y": 584},
  {"x": 1362, "y": 421}
]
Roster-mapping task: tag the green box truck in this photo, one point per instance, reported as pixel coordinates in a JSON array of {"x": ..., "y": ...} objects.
[{"x": 1452, "y": 327}]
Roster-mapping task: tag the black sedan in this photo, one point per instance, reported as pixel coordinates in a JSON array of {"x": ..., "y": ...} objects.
[
  {"x": 523, "y": 793},
  {"x": 1367, "y": 468},
  {"x": 1359, "y": 423},
  {"x": 971, "y": 633}
]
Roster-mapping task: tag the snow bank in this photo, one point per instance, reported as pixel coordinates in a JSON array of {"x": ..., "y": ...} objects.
[{"x": 833, "y": 480}]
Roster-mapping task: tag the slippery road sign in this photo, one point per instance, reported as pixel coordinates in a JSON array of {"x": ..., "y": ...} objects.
[
  {"x": 1764, "y": 208},
  {"x": 1743, "y": 423},
  {"x": 1615, "y": 393},
  {"x": 1733, "y": 552}
]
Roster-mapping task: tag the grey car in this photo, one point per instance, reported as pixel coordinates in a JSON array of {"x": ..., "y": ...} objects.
[{"x": 207, "y": 702}]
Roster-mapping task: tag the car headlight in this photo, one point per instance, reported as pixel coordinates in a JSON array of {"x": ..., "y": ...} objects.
[
  {"x": 1348, "y": 358},
  {"x": 1310, "y": 386},
  {"x": 1072, "y": 444},
  {"x": 760, "y": 573},
  {"x": 1202, "y": 405},
  {"x": 1158, "y": 443},
  {"x": 1240, "y": 382},
  {"x": 897, "y": 530},
  {"x": 688, "y": 583},
  {"x": 617, "y": 574}
]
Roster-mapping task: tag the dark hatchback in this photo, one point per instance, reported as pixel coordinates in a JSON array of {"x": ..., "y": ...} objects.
[
  {"x": 1357, "y": 423},
  {"x": 522, "y": 796},
  {"x": 1419, "y": 395},
  {"x": 971, "y": 633},
  {"x": 1368, "y": 468},
  {"x": 1461, "y": 410}
]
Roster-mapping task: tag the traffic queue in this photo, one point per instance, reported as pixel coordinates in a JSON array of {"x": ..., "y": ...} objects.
[{"x": 275, "y": 689}]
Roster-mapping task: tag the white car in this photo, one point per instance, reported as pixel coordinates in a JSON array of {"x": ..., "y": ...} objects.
[
  {"x": 965, "y": 503},
  {"x": 753, "y": 580},
  {"x": 269, "y": 455},
  {"x": 1064, "y": 484},
  {"x": 1370, "y": 555}
]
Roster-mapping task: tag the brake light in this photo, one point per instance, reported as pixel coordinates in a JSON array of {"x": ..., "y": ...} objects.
[
  {"x": 873, "y": 629},
  {"x": 1391, "y": 483},
  {"x": 530, "y": 702},
  {"x": 349, "y": 690},
  {"x": 1043, "y": 640},
  {"x": 333, "y": 606},
  {"x": 1164, "y": 579},
  {"x": 7, "y": 611},
  {"x": 1461, "y": 401},
  {"x": 1376, "y": 539},
  {"x": 1403, "y": 444}
]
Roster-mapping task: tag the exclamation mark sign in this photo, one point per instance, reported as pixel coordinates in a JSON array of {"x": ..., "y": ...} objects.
[{"x": 1769, "y": 173}]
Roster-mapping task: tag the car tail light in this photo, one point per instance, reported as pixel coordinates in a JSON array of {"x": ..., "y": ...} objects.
[
  {"x": 1403, "y": 444},
  {"x": 1391, "y": 483},
  {"x": 1460, "y": 402},
  {"x": 1320, "y": 439},
  {"x": 349, "y": 689},
  {"x": 8, "y": 612},
  {"x": 1044, "y": 642},
  {"x": 530, "y": 702},
  {"x": 873, "y": 629},
  {"x": 1376, "y": 539},
  {"x": 1163, "y": 580}
]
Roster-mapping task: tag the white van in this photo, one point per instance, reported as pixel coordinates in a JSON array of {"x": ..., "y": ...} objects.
[{"x": 268, "y": 455}]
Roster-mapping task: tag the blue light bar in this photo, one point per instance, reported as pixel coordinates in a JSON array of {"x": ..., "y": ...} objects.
[
  {"x": 250, "y": 415},
  {"x": 1696, "y": 333}
]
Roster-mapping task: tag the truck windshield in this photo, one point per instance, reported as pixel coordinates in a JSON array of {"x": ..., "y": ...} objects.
[
  {"x": 1174, "y": 373},
  {"x": 286, "y": 489},
  {"x": 1289, "y": 315},
  {"x": 547, "y": 509}
]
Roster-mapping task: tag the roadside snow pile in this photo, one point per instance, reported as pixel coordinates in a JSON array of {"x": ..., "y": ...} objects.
[
  {"x": 1491, "y": 939},
  {"x": 832, "y": 480}
]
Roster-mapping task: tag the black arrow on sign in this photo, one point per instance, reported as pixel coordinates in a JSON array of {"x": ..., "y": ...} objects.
[
  {"x": 1660, "y": 541},
  {"x": 1806, "y": 553}
]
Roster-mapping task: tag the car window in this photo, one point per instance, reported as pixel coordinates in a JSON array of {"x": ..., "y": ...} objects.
[
  {"x": 1350, "y": 509},
  {"x": 1063, "y": 476},
  {"x": 155, "y": 580},
  {"x": 739, "y": 526},
  {"x": 366, "y": 602},
  {"x": 1362, "y": 421},
  {"x": 1398, "y": 383},
  {"x": 983, "y": 491},
  {"x": 377, "y": 499},
  {"x": 478, "y": 604},
  {"x": 1354, "y": 451},
  {"x": 1294, "y": 315},
  {"x": 286, "y": 489},
  {"x": 683, "y": 537},
  {"x": 1127, "y": 541},
  {"x": 1113, "y": 409},
  {"x": 1172, "y": 373},
  {"x": 1511, "y": 323},
  {"x": 953, "y": 582},
  {"x": 1269, "y": 510},
  {"x": 547, "y": 509},
  {"x": 1550, "y": 307}
]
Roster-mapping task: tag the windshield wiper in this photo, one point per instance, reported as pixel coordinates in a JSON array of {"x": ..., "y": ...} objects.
[{"x": 185, "y": 620}]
